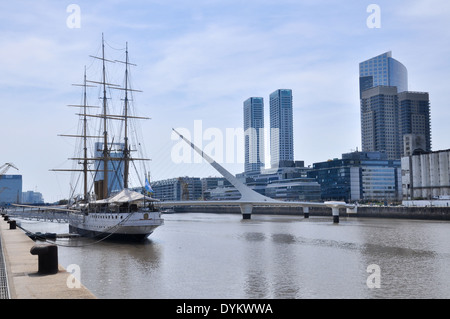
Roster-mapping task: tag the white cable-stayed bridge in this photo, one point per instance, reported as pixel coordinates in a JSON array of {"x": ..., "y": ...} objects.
[{"x": 250, "y": 198}]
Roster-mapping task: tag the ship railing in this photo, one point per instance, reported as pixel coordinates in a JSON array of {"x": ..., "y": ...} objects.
[{"x": 39, "y": 214}]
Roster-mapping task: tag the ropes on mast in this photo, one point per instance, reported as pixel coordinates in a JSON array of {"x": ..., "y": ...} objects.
[{"x": 108, "y": 93}]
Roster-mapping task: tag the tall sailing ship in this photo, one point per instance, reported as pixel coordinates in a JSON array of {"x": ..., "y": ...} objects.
[{"x": 108, "y": 207}]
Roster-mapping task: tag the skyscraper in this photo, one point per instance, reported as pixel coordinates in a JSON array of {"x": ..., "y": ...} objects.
[
  {"x": 379, "y": 121},
  {"x": 388, "y": 110},
  {"x": 382, "y": 70},
  {"x": 254, "y": 134},
  {"x": 115, "y": 166},
  {"x": 281, "y": 128},
  {"x": 415, "y": 116}
]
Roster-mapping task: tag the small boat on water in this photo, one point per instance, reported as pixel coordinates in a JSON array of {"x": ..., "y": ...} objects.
[{"x": 168, "y": 210}]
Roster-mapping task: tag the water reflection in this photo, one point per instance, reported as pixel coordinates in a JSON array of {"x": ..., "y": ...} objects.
[
  {"x": 222, "y": 256},
  {"x": 256, "y": 283},
  {"x": 253, "y": 236},
  {"x": 283, "y": 238},
  {"x": 410, "y": 266},
  {"x": 110, "y": 269}
]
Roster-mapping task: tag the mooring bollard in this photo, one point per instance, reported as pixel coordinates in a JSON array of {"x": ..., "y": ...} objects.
[
  {"x": 12, "y": 224},
  {"x": 47, "y": 258},
  {"x": 6, "y": 218}
]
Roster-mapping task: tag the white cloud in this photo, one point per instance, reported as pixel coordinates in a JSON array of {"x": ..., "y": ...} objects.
[{"x": 419, "y": 9}]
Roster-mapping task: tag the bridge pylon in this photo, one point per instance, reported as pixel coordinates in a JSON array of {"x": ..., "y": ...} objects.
[{"x": 246, "y": 210}]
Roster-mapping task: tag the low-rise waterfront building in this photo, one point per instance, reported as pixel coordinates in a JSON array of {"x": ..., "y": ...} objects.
[
  {"x": 296, "y": 189},
  {"x": 426, "y": 175},
  {"x": 359, "y": 176},
  {"x": 181, "y": 188},
  {"x": 287, "y": 182},
  {"x": 222, "y": 193},
  {"x": 211, "y": 183},
  {"x": 31, "y": 197}
]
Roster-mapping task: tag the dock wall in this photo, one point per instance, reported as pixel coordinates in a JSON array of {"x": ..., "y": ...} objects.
[
  {"x": 23, "y": 279},
  {"x": 423, "y": 213}
]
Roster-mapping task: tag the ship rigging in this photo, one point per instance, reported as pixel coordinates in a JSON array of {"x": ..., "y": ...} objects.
[{"x": 112, "y": 204}]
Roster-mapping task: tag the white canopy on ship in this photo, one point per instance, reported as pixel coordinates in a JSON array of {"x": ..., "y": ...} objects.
[{"x": 126, "y": 196}]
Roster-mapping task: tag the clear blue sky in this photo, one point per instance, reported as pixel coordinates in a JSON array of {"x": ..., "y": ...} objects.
[{"x": 199, "y": 60}]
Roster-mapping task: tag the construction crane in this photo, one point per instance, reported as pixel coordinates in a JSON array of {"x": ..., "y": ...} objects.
[{"x": 4, "y": 168}]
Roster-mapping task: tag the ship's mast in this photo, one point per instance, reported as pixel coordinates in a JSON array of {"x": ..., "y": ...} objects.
[
  {"x": 84, "y": 137},
  {"x": 126, "y": 117},
  {"x": 105, "y": 131},
  {"x": 101, "y": 186},
  {"x": 126, "y": 151},
  {"x": 85, "y": 161}
]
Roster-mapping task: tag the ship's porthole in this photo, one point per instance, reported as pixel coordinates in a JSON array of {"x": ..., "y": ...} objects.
[{"x": 145, "y": 216}]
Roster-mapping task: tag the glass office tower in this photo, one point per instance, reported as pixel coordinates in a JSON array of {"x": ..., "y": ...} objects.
[
  {"x": 382, "y": 70},
  {"x": 359, "y": 176},
  {"x": 281, "y": 128},
  {"x": 380, "y": 125},
  {"x": 388, "y": 110},
  {"x": 387, "y": 116},
  {"x": 115, "y": 167},
  {"x": 10, "y": 189},
  {"x": 254, "y": 134}
]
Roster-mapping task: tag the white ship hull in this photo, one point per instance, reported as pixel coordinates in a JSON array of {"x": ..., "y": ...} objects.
[{"x": 114, "y": 225}]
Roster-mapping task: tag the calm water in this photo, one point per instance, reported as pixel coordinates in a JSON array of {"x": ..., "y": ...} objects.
[{"x": 222, "y": 256}]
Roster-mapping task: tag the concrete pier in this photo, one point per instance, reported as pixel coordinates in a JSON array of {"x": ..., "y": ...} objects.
[
  {"x": 306, "y": 212},
  {"x": 23, "y": 279},
  {"x": 246, "y": 210}
]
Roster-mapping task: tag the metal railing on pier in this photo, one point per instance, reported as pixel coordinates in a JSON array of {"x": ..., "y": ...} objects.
[
  {"x": 39, "y": 214},
  {"x": 4, "y": 289}
]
